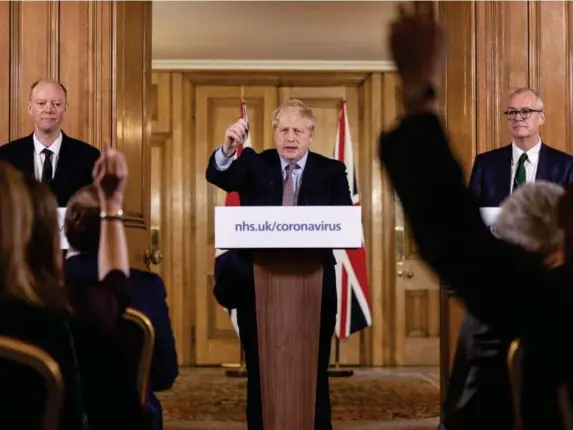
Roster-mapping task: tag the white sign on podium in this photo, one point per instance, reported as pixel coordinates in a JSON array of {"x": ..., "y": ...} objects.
[
  {"x": 336, "y": 227},
  {"x": 61, "y": 220},
  {"x": 489, "y": 217}
]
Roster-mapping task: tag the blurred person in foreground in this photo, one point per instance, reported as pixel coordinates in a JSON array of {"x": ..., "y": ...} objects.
[
  {"x": 36, "y": 305},
  {"x": 146, "y": 291},
  {"x": 500, "y": 283},
  {"x": 528, "y": 219}
]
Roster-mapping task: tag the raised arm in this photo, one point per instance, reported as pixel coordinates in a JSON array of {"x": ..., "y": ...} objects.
[
  {"x": 223, "y": 169},
  {"x": 110, "y": 177},
  {"x": 497, "y": 282}
]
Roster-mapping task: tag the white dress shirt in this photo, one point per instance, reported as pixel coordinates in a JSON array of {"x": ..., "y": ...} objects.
[
  {"x": 222, "y": 163},
  {"x": 530, "y": 165},
  {"x": 39, "y": 158}
]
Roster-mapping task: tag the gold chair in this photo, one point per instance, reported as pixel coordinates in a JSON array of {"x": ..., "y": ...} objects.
[
  {"x": 19, "y": 360},
  {"x": 137, "y": 327},
  {"x": 514, "y": 365}
]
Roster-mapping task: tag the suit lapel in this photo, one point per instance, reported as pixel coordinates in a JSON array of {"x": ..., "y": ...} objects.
[
  {"x": 544, "y": 164},
  {"x": 502, "y": 174},
  {"x": 307, "y": 181},
  {"x": 64, "y": 162},
  {"x": 28, "y": 159},
  {"x": 274, "y": 174}
]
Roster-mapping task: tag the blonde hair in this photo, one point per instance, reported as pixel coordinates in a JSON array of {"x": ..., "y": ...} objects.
[
  {"x": 298, "y": 108},
  {"x": 528, "y": 218},
  {"x": 16, "y": 217}
]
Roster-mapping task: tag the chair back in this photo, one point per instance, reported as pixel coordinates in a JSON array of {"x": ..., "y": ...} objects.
[
  {"x": 565, "y": 404},
  {"x": 514, "y": 365},
  {"x": 31, "y": 387},
  {"x": 138, "y": 337}
]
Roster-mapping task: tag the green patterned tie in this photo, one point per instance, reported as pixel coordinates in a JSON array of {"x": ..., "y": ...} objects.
[{"x": 519, "y": 178}]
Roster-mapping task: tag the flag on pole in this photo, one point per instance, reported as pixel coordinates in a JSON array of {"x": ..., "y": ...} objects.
[
  {"x": 351, "y": 274},
  {"x": 232, "y": 199}
]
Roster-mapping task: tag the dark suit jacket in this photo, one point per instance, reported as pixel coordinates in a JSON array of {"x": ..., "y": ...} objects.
[
  {"x": 491, "y": 180},
  {"x": 500, "y": 284},
  {"x": 73, "y": 170},
  {"x": 146, "y": 293}
]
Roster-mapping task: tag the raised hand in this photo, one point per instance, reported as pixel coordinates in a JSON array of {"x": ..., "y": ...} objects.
[
  {"x": 234, "y": 136},
  {"x": 110, "y": 174},
  {"x": 418, "y": 44}
]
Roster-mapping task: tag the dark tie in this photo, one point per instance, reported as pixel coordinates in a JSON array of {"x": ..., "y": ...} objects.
[
  {"x": 288, "y": 186},
  {"x": 519, "y": 178},
  {"x": 47, "y": 170}
]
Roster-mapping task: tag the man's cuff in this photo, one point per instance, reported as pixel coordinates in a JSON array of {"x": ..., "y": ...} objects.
[{"x": 222, "y": 162}]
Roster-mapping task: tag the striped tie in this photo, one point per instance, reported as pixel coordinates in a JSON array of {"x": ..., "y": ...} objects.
[{"x": 288, "y": 186}]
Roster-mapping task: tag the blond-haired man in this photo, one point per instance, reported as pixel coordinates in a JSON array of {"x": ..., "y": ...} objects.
[{"x": 288, "y": 175}]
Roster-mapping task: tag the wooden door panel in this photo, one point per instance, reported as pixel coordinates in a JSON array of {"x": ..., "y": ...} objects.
[
  {"x": 417, "y": 302},
  {"x": 217, "y": 107},
  {"x": 133, "y": 83},
  {"x": 325, "y": 103}
]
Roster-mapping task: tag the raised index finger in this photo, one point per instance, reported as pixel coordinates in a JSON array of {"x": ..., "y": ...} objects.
[{"x": 425, "y": 10}]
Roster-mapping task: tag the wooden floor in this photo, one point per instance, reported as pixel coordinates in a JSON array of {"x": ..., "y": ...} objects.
[{"x": 429, "y": 373}]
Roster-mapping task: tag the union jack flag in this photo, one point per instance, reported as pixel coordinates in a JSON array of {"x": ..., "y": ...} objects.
[
  {"x": 232, "y": 199},
  {"x": 351, "y": 274}
]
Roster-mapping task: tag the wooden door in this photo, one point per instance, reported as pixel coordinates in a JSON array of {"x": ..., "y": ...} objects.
[
  {"x": 417, "y": 302},
  {"x": 132, "y": 89},
  {"x": 217, "y": 107},
  {"x": 325, "y": 102},
  {"x": 172, "y": 217},
  {"x": 413, "y": 289}
]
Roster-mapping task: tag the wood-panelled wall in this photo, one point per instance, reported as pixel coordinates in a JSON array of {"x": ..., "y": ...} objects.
[
  {"x": 101, "y": 52},
  {"x": 494, "y": 48}
]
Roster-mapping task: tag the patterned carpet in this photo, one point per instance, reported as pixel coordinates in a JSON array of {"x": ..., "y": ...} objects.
[{"x": 210, "y": 395}]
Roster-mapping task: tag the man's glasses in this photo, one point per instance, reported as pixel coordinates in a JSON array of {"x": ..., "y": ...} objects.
[{"x": 523, "y": 113}]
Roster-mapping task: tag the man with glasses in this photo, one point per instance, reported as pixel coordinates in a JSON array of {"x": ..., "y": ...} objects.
[
  {"x": 481, "y": 352},
  {"x": 497, "y": 173}
]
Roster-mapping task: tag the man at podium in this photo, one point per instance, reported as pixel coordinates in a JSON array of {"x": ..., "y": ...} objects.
[{"x": 288, "y": 175}]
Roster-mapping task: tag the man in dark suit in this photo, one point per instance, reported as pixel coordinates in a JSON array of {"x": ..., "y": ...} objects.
[
  {"x": 146, "y": 293},
  {"x": 48, "y": 153},
  {"x": 502, "y": 285},
  {"x": 481, "y": 350},
  {"x": 288, "y": 175},
  {"x": 496, "y": 173}
]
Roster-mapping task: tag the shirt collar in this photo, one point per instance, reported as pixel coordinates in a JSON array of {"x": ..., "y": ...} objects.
[
  {"x": 532, "y": 154},
  {"x": 301, "y": 163},
  {"x": 54, "y": 147}
]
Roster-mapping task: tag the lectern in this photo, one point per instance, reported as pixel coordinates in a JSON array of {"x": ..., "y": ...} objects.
[{"x": 289, "y": 247}]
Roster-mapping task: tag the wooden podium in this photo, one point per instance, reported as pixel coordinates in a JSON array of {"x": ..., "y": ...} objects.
[
  {"x": 289, "y": 245},
  {"x": 288, "y": 290}
]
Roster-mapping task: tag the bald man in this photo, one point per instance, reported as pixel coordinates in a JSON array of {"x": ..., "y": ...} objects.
[{"x": 64, "y": 163}]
